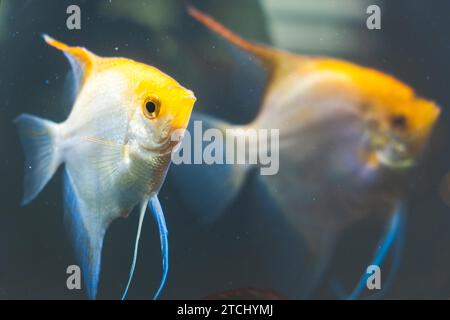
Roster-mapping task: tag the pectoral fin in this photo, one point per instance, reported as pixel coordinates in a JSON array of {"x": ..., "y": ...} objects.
[{"x": 107, "y": 157}]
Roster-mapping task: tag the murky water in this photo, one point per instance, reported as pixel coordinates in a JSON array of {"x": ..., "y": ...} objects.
[{"x": 251, "y": 245}]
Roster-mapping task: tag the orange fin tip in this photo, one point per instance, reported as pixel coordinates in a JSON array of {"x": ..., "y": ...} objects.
[
  {"x": 267, "y": 54},
  {"x": 82, "y": 55}
]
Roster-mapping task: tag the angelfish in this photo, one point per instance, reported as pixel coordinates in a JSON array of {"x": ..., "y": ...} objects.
[
  {"x": 116, "y": 147},
  {"x": 348, "y": 137}
]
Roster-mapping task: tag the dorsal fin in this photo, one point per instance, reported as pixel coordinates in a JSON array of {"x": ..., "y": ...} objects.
[
  {"x": 267, "y": 54},
  {"x": 274, "y": 59},
  {"x": 81, "y": 59}
]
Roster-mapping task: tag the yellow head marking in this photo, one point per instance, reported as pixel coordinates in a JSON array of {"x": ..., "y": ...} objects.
[
  {"x": 386, "y": 98},
  {"x": 158, "y": 95},
  {"x": 401, "y": 122}
]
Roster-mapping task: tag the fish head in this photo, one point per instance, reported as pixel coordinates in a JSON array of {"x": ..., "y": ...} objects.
[
  {"x": 159, "y": 110},
  {"x": 398, "y": 122}
]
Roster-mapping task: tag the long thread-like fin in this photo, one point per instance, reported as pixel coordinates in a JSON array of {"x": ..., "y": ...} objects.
[
  {"x": 41, "y": 153},
  {"x": 394, "y": 236},
  {"x": 158, "y": 215},
  {"x": 397, "y": 255},
  {"x": 136, "y": 245}
]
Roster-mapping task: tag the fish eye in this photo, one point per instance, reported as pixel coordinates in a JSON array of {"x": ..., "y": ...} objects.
[
  {"x": 398, "y": 122},
  {"x": 151, "y": 107}
]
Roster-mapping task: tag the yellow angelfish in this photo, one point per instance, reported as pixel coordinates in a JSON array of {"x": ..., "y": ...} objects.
[
  {"x": 348, "y": 136},
  {"x": 116, "y": 146}
]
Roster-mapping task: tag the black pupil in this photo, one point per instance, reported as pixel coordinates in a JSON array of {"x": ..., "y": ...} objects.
[
  {"x": 150, "y": 106},
  {"x": 399, "y": 122}
]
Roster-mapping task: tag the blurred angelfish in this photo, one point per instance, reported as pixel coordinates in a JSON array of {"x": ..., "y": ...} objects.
[
  {"x": 348, "y": 135},
  {"x": 116, "y": 146}
]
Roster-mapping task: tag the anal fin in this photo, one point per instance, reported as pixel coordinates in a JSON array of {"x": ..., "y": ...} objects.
[{"x": 87, "y": 230}]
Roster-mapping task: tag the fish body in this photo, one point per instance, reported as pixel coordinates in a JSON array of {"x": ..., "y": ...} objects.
[
  {"x": 348, "y": 137},
  {"x": 115, "y": 145}
]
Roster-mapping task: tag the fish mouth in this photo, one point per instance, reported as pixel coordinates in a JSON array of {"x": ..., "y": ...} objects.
[
  {"x": 392, "y": 152},
  {"x": 395, "y": 154},
  {"x": 395, "y": 162}
]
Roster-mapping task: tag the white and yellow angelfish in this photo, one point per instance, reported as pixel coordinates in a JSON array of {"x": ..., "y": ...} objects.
[
  {"x": 116, "y": 146},
  {"x": 348, "y": 138}
]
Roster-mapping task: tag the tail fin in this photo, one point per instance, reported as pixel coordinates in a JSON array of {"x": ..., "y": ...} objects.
[
  {"x": 41, "y": 156},
  {"x": 223, "y": 181}
]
